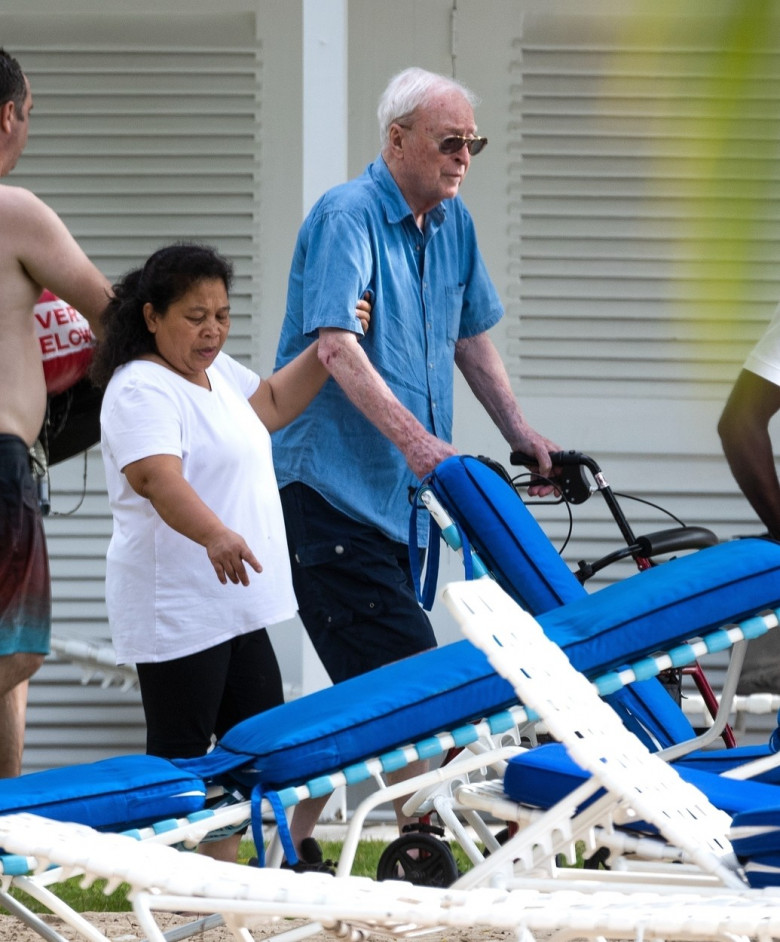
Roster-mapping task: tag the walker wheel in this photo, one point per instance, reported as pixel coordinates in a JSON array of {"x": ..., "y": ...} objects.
[{"x": 420, "y": 859}]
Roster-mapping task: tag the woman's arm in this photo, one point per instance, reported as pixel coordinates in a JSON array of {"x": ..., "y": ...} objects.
[
  {"x": 284, "y": 395},
  {"x": 159, "y": 479}
]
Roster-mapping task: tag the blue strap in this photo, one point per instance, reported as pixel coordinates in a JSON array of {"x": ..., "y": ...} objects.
[
  {"x": 426, "y": 594},
  {"x": 256, "y": 802},
  {"x": 774, "y": 738},
  {"x": 460, "y": 543},
  {"x": 468, "y": 558},
  {"x": 414, "y": 555},
  {"x": 431, "y": 565},
  {"x": 281, "y": 823}
]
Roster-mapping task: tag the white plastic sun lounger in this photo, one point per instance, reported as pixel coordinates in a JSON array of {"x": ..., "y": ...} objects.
[
  {"x": 623, "y": 784},
  {"x": 161, "y": 880}
]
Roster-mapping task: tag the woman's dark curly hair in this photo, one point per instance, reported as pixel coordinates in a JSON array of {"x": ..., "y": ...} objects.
[{"x": 167, "y": 276}]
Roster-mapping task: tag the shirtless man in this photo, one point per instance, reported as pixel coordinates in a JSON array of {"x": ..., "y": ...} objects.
[{"x": 36, "y": 251}]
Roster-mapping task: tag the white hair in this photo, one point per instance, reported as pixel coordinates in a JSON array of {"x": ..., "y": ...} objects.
[{"x": 410, "y": 89}]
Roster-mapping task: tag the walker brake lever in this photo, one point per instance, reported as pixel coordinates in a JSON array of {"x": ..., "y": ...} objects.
[{"x": 570, "y": 478}]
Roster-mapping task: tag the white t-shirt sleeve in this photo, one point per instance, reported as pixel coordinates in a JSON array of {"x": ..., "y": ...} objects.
[
  {"x": 244, "y": 378},
  {"x": 764, "y": 358},
  {"x": 130, "y": 435}
]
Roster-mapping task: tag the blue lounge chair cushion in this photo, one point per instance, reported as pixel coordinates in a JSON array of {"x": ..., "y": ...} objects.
[
  {"x": 762, "y": 871},
  {"x": 646, "y": 708},
  {"x": 438, "y": 690},
  {"x": 544, "y": 775},
  {"x": 113, "y": 794},
  {"x": 494, "y": 520},
  {"x": 717, "y": 761},
  {"x": 524, "y": 562},
  {"x": 365, "y": 716},
  {"x": 690, "y": 595},
  {"x": 755, "y": 837},
  {"x": 506, "y": 536},
  {"x": 756, "y": 831},
  {"x": 403, "y": 702}
]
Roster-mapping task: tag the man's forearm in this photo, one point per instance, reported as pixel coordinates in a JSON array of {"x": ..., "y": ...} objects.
[
  {"x": 484, "y": 371},
  {"x": 348, "y": 364}
]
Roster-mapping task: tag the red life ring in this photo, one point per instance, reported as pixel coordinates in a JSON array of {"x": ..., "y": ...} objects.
[{"x": 66, "y": 342}]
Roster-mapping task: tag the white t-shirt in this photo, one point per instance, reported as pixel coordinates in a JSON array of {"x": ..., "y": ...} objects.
[
  {"x": 163, "y": 596},
  {"x": 764, "y": 358}
]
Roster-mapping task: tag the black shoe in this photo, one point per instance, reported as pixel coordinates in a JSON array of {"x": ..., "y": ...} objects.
[{"x": 310, "y": 859}]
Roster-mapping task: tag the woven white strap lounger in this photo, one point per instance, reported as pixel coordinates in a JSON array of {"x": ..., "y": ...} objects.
[{"x": 162, "y": 879}]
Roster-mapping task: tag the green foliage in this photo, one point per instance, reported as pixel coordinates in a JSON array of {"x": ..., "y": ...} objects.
[{"x": 84, "y": 900}]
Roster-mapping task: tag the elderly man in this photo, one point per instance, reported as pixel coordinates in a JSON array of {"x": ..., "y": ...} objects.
[
  {"x": 36, "y": 250},
  {"x": 347, "y": 466}
]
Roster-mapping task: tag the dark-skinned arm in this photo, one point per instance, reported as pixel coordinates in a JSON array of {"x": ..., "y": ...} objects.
[{"x": 744, "y": 435}]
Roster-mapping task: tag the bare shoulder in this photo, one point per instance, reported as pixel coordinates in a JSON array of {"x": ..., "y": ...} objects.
[
  {"x": 25, "y": 210},
  {"x": 30, "y": 228},
  {"x": 18, "y": 198},
  {"x": 37, "y": 250}
]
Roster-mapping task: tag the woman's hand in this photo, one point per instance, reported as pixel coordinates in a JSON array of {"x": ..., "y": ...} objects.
[
  {"x": 159, "y": 479},
  {"x": 363, "y": 311},
  {"x": 228, "y": 552}
]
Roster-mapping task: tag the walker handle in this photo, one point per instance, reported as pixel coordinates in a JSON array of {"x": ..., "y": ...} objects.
[{"x": 569, "y": 477}]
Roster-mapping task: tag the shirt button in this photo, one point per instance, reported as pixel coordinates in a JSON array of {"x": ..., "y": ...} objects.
[{"x": 338, "y": 550}]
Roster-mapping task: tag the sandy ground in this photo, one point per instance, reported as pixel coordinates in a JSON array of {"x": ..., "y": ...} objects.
[{"x": 122, "y": 927}]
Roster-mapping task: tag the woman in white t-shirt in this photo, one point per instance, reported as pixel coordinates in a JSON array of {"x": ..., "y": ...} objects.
[{"x": 197, "y": 566}]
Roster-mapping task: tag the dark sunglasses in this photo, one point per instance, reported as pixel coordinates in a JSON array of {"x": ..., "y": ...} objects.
[{"x": 451, "y": 145}]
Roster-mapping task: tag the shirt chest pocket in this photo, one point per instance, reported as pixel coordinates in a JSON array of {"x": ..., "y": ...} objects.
[{"x": 454, "y": 308}]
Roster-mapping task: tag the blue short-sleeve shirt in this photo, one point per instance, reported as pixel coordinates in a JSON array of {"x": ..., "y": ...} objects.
[{"x": 429, "y": 289}]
